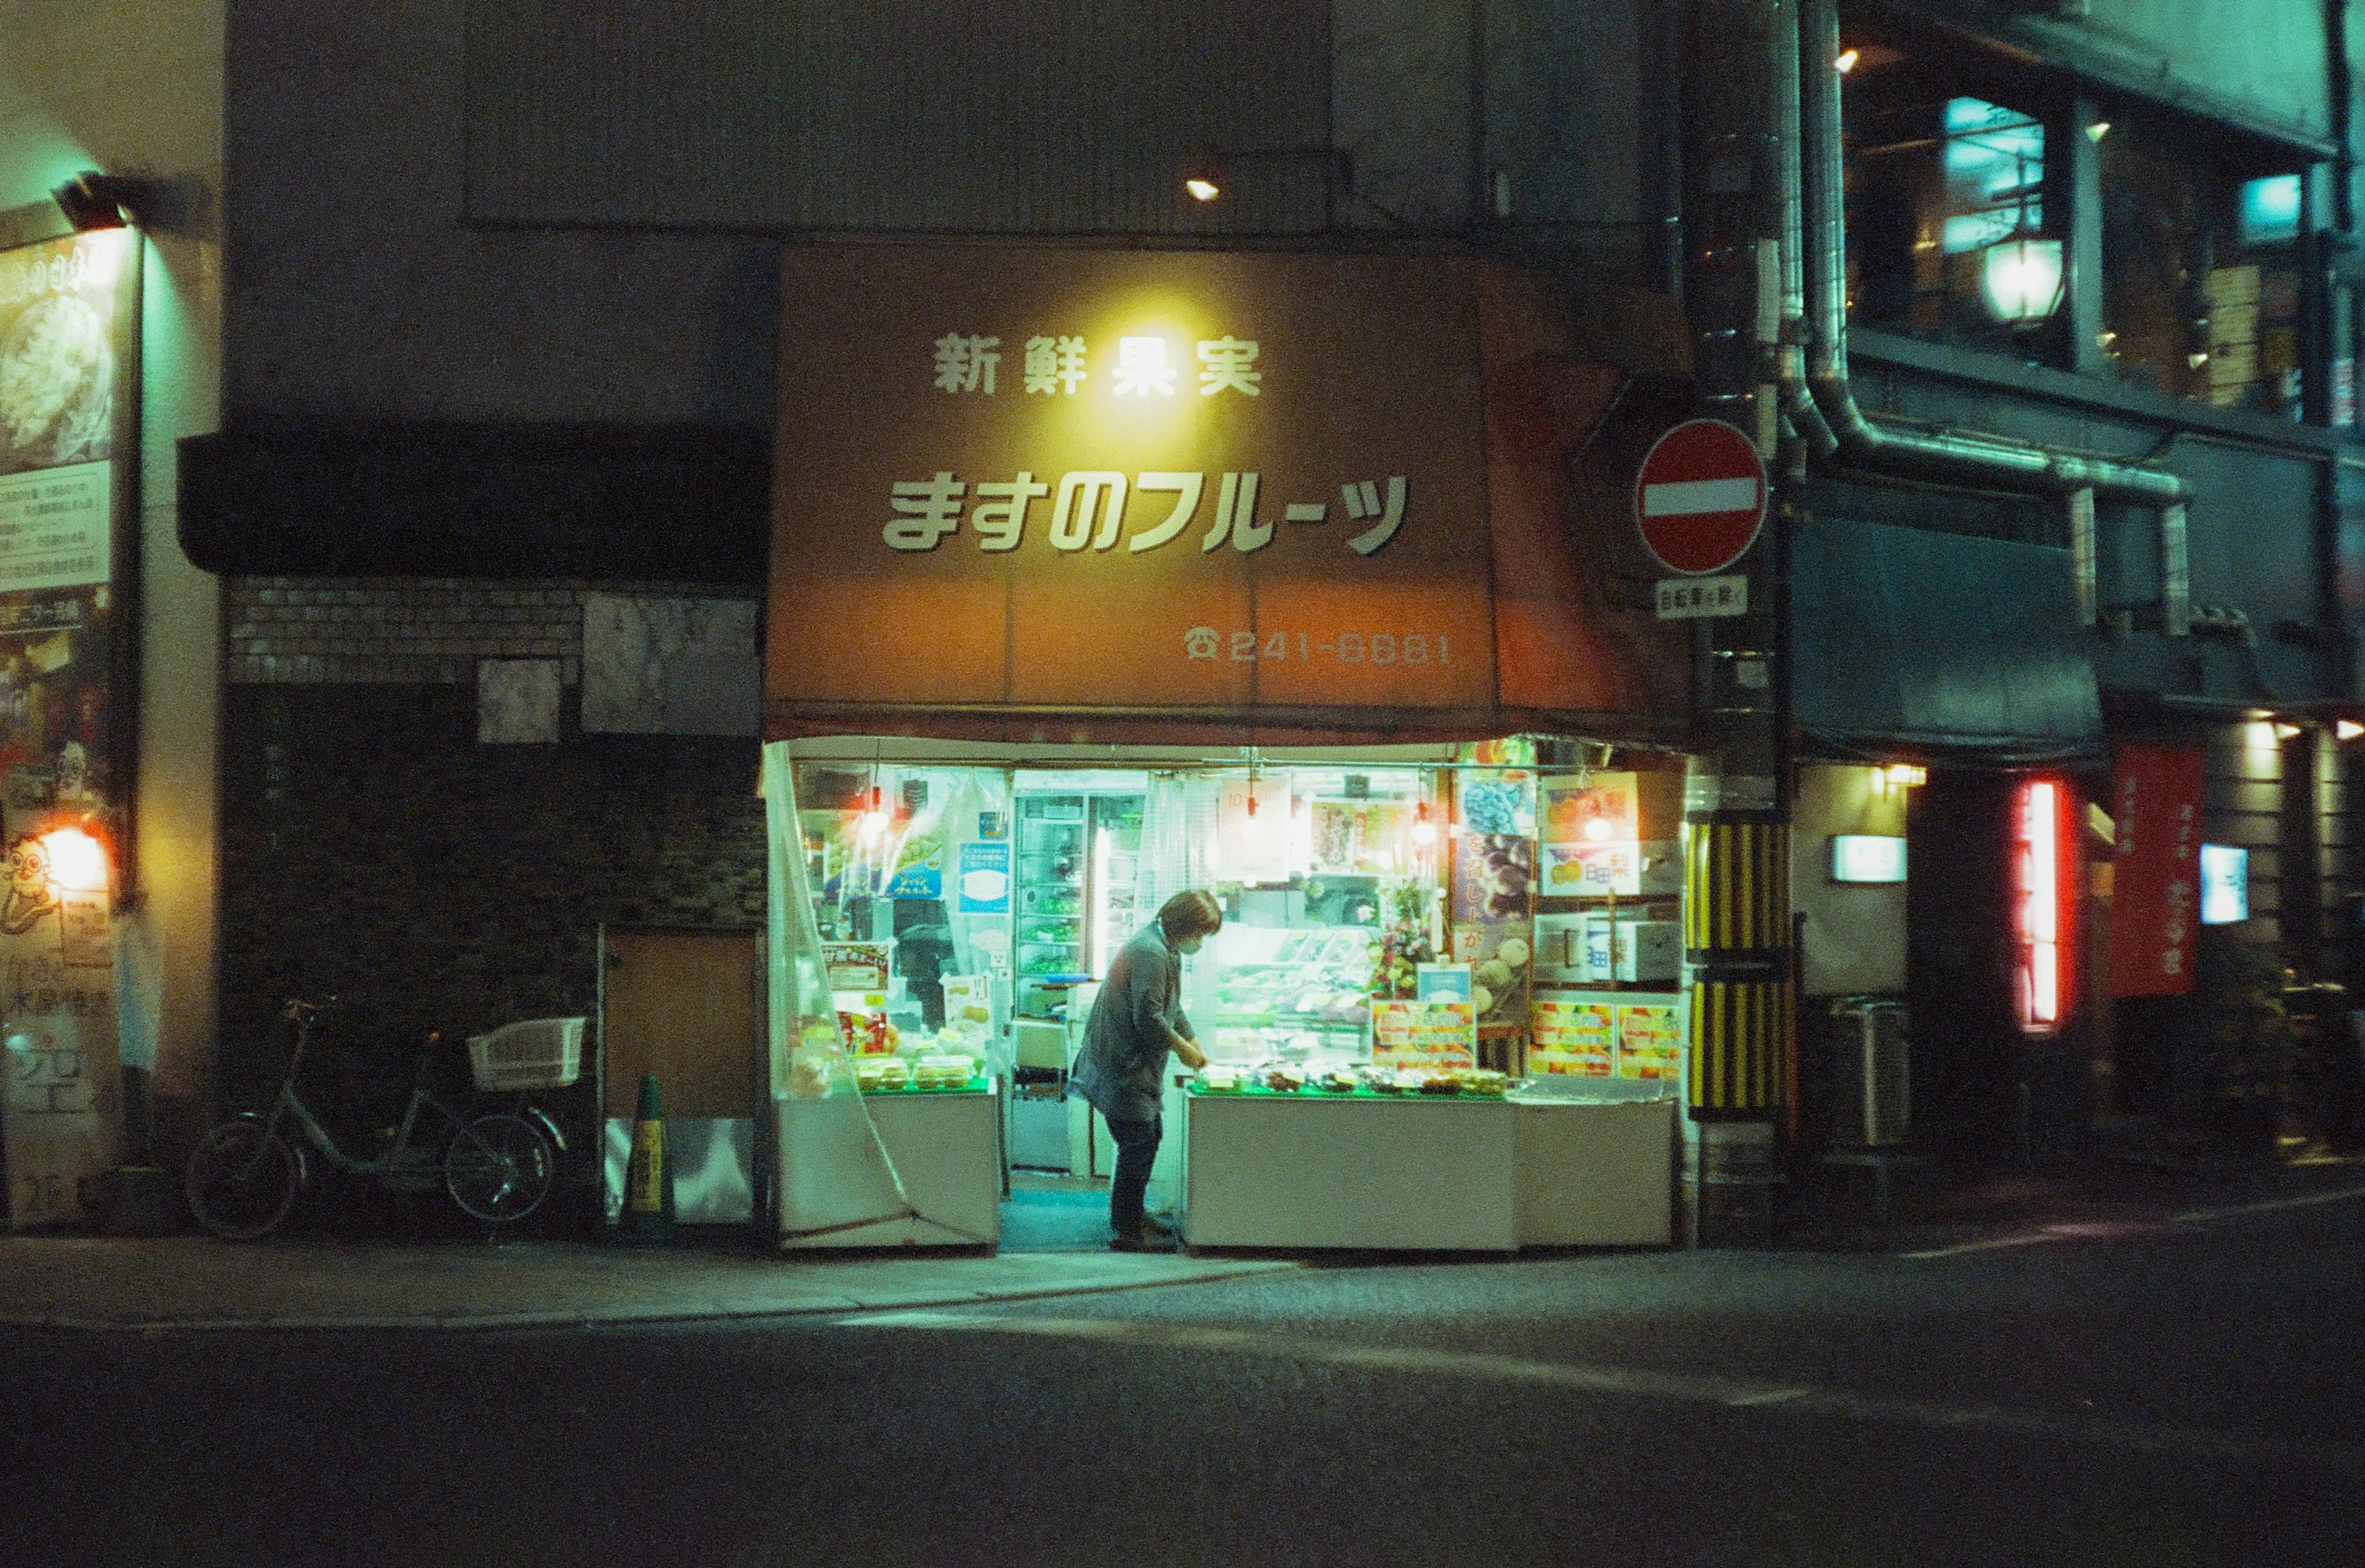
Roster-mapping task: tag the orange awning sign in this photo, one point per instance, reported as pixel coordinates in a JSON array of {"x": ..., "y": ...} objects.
[{"x": 1221, "y": 490}]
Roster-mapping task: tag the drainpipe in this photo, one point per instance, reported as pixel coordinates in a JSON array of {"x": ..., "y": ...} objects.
[
  {"x": 1948, "y": 457},
  {"x": 1798, "y": 404}
]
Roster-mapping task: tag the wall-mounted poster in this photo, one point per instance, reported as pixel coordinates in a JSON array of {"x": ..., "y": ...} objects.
[
  {"x": 1423, "y": 1033},
  {"x": 1493, "y": 878},
  {"x": 1363, "y": 838},
  {"x": 985, "y": 877},
  {"x": 1590, "y": 824},
  {"x": 69, "y": 407},
  {"x": 1500, "y": 957},
  {"x": 1501, "y": 802}
]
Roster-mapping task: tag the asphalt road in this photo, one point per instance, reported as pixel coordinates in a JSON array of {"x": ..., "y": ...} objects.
[{"x": 2190, "y": 1394}]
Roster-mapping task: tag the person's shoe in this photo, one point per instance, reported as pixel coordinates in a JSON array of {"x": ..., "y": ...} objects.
[
  {"x": 1160, "y": 1240},
  {"x": 1151, "y": 1225}
]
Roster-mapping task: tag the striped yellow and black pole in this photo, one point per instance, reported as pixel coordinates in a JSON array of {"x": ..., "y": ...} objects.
[{"x": 1737, "y": 939}]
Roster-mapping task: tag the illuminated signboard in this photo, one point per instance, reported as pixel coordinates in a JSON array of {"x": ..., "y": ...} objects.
[
  {"x": 2045, "y": 914},
  {"x": 1868, "y": 857},
  {"x": 2224, "y": 884},
  {"x": 1072, "y": 481}
]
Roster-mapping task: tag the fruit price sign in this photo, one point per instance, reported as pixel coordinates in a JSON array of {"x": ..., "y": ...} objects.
[
  {"x": 1573, "y": 1037},
  {"x": 1424, "y": 1034},
  {"x": 1651, "y": 1042}
]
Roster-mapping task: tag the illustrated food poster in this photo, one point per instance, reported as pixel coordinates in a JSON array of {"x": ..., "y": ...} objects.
[
  {"x": 1591, "y": 828},
  {"x": 69, "y": 323},
  {"x": 1577, "y": 1038},
  {"x": 1651, "y": 1042},
  {"x": 1423, "y": 1033},
  {"x": 1494, "y": 894}
]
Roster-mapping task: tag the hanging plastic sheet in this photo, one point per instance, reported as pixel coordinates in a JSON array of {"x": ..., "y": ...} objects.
[{"x": 834, "y": 1173}]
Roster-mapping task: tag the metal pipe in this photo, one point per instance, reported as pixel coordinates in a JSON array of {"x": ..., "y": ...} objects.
[
  {"x": 1797, "y": 402},
  {"x": 1995, "y": 462}
]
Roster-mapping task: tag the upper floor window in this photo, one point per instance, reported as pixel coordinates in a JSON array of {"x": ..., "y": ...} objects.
[
  {"x": 1956, "y": 215},
  {"x": 2200, "y": 269}
]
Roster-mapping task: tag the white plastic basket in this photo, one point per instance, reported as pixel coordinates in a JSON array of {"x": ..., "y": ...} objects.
[{"x": 536, "y": 1053}]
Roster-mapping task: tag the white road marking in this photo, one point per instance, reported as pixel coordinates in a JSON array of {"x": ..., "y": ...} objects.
[
  {"x": 1643, "y": 1383},
  {"x": 2305, "y": 1200},
  {"x": 2190, "y": 1216}
]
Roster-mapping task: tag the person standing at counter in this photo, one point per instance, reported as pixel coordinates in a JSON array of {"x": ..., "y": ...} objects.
[{"x": 1135, "y": 1021}]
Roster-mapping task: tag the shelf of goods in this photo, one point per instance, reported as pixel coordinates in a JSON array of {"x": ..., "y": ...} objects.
[
  {"x": 1278, "y": 983},
  {"x": 945, "y": 1145},
  {"x": 1425, "y": 1171}
]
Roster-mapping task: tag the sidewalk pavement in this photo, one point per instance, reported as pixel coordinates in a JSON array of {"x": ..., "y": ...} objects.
[{"x": 197, "y": 1283}]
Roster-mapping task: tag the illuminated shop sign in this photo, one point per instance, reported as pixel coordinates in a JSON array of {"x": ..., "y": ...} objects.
[
  {"x": 1126, "y": 489},
  {"x": 1130, "y": 480},
  {"x": 1087, "y": 509},
  {"x": 2224, "y": 884},
  {"x": 2045, "y": 859}
]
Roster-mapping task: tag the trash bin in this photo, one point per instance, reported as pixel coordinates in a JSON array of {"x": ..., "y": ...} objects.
[{"x": 1869, "y": 1072}]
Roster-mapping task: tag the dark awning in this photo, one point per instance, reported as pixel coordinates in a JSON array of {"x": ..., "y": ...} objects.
[
  {"x": 1908, "y": 638},
  {"x": 363, "y": 497}
]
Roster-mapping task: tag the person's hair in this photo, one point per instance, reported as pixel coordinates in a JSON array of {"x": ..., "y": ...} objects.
[{"x": 1191, "y": 914}]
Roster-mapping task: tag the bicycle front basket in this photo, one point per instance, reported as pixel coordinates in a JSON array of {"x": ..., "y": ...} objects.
[{"x": 537, "y": 1053}]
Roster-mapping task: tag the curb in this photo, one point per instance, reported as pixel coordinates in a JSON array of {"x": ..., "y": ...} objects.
[{"x": 494, "y": 1322}]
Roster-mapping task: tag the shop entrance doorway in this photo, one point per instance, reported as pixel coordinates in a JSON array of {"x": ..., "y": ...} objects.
[{"x": 1958, "y": 911}]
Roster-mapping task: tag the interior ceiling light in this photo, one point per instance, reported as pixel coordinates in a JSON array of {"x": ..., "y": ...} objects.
[
  {"x": 2347, "y": 728},
  {"x": 2286, "y": 732},
  {"x": 1203, "y": 182},
  {"x": 874, "y": 821}
]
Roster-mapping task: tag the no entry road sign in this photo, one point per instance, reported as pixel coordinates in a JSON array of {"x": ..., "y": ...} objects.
[{"x": 1700, "y": 496}]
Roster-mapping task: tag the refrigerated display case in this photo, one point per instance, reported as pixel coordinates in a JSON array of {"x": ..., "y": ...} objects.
[{"x": 1079, "y": 868}]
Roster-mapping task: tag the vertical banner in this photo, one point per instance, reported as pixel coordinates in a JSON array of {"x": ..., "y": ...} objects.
[
  {"x": 69, "y": 447},
  {"x": 2155, "y": 917}
]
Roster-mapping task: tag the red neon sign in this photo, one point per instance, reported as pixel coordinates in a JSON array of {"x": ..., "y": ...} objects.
[{"x": 2044, "y": 914}]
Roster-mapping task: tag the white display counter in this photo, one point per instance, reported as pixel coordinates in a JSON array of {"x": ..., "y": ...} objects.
[
  {"x": 1422, "y": 1172},
  {"x": 945, "y": 1145}
]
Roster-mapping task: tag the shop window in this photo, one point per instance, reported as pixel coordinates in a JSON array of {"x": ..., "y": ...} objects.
[
  {"x": 2201, "y": 272},
  {"x": 1955, "y": 228}
]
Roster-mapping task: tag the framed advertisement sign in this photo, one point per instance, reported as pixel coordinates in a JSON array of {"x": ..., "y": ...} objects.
[{"x": 69, "y": 511}]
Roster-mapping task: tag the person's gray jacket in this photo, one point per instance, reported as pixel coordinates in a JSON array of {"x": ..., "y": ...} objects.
[{"x": 1125, "y": 1050}]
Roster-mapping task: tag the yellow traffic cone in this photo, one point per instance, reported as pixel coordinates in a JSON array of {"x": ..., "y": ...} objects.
[{"x": 648, "y": 1176}]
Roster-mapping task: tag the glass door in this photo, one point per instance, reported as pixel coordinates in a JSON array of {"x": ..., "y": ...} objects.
[{"x": 1053, "y": 861}]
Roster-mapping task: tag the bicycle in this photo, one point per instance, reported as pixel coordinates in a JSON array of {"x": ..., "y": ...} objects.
[{"x": 245, "y": 1174}]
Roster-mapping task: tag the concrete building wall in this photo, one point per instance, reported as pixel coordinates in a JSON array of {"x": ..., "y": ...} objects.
[
  {"x": 135, "y": 86},
  {"x": 1855, "y": 937},
  {"x": 377, "y": 846}
]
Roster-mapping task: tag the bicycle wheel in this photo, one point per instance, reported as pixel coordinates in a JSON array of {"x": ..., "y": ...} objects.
[
  {"x": 242, "y": 1179},
  {"x": 499, "y": 1168}
]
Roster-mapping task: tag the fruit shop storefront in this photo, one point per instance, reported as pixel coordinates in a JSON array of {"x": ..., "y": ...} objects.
[{"x": 1102, "y": 575}]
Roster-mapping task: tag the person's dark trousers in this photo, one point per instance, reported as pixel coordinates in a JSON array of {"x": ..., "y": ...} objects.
[{"x": 1137, "y": 1147}]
